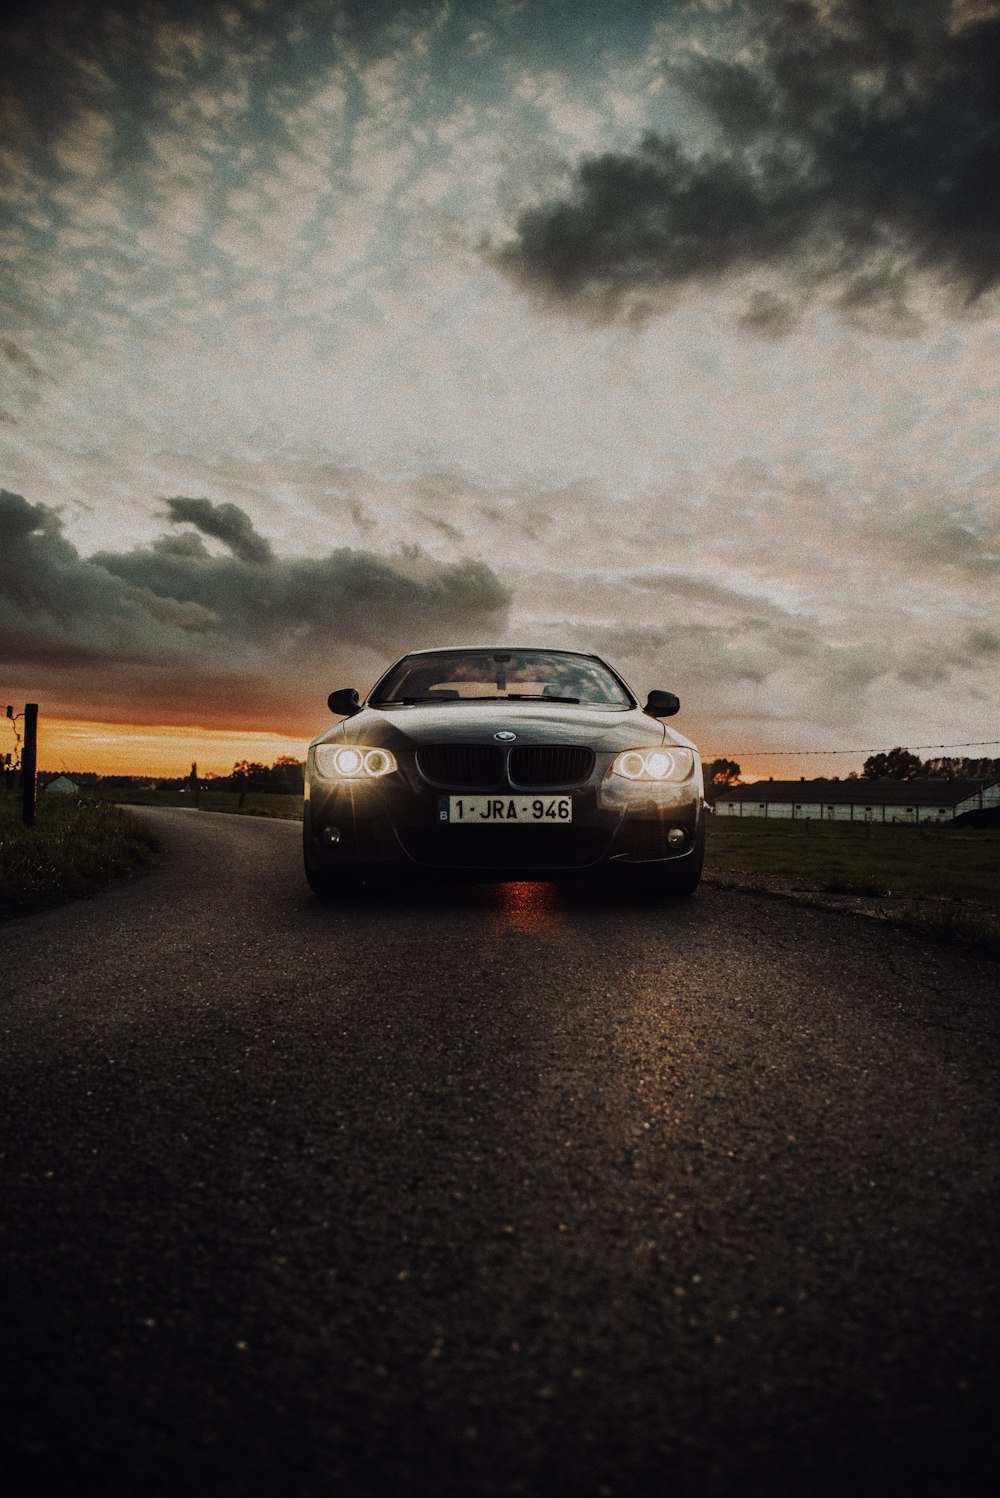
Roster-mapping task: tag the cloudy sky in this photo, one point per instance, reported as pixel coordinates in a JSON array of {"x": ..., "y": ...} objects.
[{"x": 666, "y": 330}]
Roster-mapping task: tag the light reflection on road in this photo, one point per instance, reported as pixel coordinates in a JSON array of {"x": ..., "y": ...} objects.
[{"x": 532, "y": 908}]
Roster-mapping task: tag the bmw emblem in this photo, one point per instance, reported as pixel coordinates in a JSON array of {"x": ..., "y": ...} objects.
[{"x": 505, "y": 736}]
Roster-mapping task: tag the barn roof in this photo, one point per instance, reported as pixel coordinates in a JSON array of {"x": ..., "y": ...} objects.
[
  {"x": 59, "y": 783},
  {"x": 928, "y": 792}
]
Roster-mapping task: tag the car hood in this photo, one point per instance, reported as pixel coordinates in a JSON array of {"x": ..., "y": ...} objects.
[{"x": 478, "y": 722}]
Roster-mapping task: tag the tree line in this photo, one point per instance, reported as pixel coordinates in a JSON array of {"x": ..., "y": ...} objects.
[
  {"x": 901, "y": 764},
  {"x": 285, "y": 776},
  {"x": 896, "y": 764}
]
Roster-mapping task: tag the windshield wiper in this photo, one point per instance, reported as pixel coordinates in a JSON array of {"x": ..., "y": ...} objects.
[
  {"x": 535, "y": 697},
  {"x": 509, "y": 697},
  {"x": 517, "y": 697}
]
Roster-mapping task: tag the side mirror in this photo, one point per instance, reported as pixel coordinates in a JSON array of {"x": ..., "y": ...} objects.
[
  {"x": 662, "y": 705},
  {"x": 345, "y": 702}
]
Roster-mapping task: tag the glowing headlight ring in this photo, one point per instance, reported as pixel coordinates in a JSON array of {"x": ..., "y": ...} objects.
[
  {"x": 632, "y": 764},
  {"x": 660, "y": 765},
  {"x": 353, "y": 762},
  {"x": 349, "y": 762},
  {"x": 653, "y": 766},
  {"x": 379, "y": 762}
]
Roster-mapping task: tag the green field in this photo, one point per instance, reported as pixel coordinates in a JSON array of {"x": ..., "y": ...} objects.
[
  {"x": 74, "y": 848},
  {"x": 850, "y": 858}
]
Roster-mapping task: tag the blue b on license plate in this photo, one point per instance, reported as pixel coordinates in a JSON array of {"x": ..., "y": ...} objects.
[{"x": 477, "y": 810}]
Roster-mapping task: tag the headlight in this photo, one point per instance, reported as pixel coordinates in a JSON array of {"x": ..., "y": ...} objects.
[
  {"x": 353, "y": 762},
  {"x": 654, "y": 764}
]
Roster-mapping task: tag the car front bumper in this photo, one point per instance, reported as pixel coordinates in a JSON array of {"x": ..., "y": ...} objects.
[{"x": 387, "y": 828}]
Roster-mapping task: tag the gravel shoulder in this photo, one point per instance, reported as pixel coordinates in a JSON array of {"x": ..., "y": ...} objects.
[{"x": 924, "y": 913}]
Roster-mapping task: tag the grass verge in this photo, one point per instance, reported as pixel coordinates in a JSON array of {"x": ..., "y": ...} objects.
[
  {"x": 942, "y": 883},
  {"x": 74, "y": 848},
  {"x": 919, "y": 862},
  {"x": 955, "y": 928}
]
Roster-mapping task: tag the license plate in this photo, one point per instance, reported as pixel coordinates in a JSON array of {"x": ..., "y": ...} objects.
[{"x": 478, "y": 810}]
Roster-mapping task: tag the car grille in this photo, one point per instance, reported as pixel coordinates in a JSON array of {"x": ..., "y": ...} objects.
[
  {"x": 502, "y": 848},
  {"x": 482, "y": 764},
  {"x": 460, "y": 764},
  {"x": 549, "y": 765}
]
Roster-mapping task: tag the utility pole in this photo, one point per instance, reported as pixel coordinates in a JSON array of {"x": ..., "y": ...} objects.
[
  {"x": 29, "y": 760},
  {"x": 13, "y": 761}
]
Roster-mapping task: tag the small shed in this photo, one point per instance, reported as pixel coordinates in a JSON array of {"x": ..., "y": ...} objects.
[{"x": 927, "y": 800}]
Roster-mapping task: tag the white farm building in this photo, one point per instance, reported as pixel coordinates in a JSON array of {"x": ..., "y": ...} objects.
[
  {"x": 914, "y": 801},
  {"x": 62, "y": 786}
]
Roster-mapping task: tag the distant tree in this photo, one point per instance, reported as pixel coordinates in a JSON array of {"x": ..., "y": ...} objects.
[
  {"x": 722, "y": 772},
  {"x": 239, "y": 776},
  {"x": 248, "y": 769},
  {"x": 246, "y": 774},
  {"x": 943, "y": 768},
  {"x": 720, "y": 775},
  {"x": 898, "y": 764},
  {"x": 286, "y": 775}
]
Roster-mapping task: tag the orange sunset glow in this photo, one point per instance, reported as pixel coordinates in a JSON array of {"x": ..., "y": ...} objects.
[
  {"x": 143, "y": 749},
  {"x": 76, "y": 744},
  {"x": 81, "y": 745}
]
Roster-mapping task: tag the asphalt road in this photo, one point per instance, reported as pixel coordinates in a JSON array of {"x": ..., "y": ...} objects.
[{"x": 490, "y": 1191}]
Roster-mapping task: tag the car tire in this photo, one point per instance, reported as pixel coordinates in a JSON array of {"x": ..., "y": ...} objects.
[
  {"x": 670, "y": 882},
  {"x": 330, "y": 886},
  {"x": 675, "y": 886},
  {"x": 650, "y": 888}
]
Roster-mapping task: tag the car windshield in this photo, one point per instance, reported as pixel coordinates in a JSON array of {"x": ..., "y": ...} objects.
[{"x": 503, "y": 675}]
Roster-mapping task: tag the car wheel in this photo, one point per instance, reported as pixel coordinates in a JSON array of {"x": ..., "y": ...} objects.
[
  {"x": 668, "y": 883},
  {"x": 329, "y": 886},
  {"x": 675, "y": 886},
  {"x": 652, "y": 887}
]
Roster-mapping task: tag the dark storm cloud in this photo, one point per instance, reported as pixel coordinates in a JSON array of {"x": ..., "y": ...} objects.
[
  {"x": 854, "y": 147},
  {"x": 770, "y": 316},
  {"x": 227, "y": 523},
  {"x": 186, "y": 630}
]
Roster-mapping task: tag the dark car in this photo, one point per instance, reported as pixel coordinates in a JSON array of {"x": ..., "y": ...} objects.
[{"x": 503, "y": 764}]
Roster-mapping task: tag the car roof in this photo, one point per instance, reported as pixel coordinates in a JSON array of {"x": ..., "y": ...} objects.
[{"x": 585, "y": 655}]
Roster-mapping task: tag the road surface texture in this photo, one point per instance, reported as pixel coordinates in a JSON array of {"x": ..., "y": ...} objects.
[{"x": 490, "y": 1191}]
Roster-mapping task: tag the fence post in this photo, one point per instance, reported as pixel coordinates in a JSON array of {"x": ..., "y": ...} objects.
[{"x": 29, "y": 760}]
